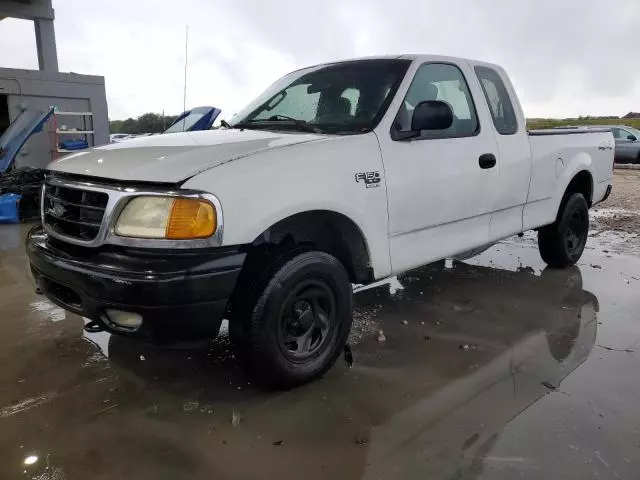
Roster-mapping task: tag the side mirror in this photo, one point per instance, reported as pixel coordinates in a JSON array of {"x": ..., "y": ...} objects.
[
  {"x": 427, "y": 115},
  {"x": 431, "y": 115},
  {"x": 631, "y": 137}
]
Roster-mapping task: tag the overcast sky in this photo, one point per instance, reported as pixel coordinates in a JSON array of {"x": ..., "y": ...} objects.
[{"x": 566, "y": 57}]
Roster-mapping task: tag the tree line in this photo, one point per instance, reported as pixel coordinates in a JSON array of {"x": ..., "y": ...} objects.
[
  {"x": 156, "y": 123},
  {"x": 535, "y": 123},
  {"x": 147, "y": 123}
]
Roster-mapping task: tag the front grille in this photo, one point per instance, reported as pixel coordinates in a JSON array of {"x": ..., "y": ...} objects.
[{"x": 74, "y": 212}]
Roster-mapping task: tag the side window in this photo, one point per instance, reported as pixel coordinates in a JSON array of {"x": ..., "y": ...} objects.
[
  {"x": 502, "y": 112},
  {"x": 624, "y": 134},
  {"x": 445, "y": 82}
]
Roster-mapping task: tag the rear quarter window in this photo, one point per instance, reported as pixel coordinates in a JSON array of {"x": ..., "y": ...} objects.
[{"x": 502, "y": 112}]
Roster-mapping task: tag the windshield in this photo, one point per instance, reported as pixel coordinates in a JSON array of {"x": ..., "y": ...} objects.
[{"x": 346, "y": 97}]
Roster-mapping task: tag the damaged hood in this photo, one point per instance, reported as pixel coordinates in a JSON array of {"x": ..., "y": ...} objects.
[
  {"x": 175, "y": 157},
  {"x": 16, "y": 135}
]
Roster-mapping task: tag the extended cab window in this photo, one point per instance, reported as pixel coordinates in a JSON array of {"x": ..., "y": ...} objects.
[
  {"x": 502, "y": 112},
  {"x": 444, "y": 82}
]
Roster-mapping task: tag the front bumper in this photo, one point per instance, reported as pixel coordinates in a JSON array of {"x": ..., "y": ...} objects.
[{"x": 181, "y": 295}]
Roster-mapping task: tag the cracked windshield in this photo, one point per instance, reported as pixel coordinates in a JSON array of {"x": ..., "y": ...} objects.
[{"x": 284, "y": 240}]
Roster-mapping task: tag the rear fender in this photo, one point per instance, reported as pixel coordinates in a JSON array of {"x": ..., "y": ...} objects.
[{"x": 569, "y": 169}]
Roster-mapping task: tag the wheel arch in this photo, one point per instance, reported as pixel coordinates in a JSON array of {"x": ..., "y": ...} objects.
[
  {"x": 581, "y": 181},
  {"x": 326, "y": 230}
]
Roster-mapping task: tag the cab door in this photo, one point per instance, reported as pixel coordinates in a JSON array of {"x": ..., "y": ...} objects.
[{"x": 440, "y": 184}]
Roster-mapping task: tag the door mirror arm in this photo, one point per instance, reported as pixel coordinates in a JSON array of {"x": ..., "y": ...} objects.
[{"x": 405, "y": 135}]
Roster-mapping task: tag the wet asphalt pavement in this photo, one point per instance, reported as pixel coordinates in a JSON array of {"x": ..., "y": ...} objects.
[{"x": 492, "y": 369}]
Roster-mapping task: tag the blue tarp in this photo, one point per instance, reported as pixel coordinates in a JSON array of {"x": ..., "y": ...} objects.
[
  {"x": 76, "y": 144},
  {"x": 9, "y": 208}
]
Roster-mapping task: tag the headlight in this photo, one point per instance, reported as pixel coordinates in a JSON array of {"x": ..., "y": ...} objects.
[{"x": 167, "y": 217}]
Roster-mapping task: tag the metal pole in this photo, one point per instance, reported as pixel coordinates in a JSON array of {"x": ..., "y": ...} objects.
[{"x": 186, "y": 53}]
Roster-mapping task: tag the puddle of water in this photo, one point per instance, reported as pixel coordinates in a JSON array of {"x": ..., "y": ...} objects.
[
  {"x": 25, "y": 405},
  {"x": 99, "y": 339},
  {"x": 416, "y": 404}
]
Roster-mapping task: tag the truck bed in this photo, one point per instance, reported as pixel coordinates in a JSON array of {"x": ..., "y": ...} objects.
[
  {"x": 565, "y": 131},
  {"x": 557, "y": 155}
]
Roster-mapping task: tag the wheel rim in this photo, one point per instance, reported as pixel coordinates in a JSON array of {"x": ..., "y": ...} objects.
[
  {"x": 307, "y": 320},
  {"x": 575, "y": 236}
]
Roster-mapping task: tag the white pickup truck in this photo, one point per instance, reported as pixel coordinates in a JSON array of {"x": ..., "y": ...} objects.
[{"x": 338, "y": 174}]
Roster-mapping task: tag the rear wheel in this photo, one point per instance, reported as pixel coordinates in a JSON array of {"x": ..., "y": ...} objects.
[
  {"x": 290, "y": 326},
  {"x": 561, "y": 244}
]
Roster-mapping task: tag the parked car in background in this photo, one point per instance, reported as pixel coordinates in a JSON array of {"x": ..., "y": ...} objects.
[
  {"x": 627, "y": 144},
  {"x": 118, "y": 137},
  {"x": 338, "y": 174},
  {"x": 199, "y": 118}
]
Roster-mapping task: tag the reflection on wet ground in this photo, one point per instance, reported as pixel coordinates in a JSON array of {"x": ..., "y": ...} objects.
[{"x": 474, "y": 371}]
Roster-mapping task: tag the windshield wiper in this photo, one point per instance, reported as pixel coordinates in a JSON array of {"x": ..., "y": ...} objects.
[
  {"x": 225, "y": 124},
  {"x": 302, "y": 124}
]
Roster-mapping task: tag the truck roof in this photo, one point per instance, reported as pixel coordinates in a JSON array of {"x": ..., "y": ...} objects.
[{"x": 412, "y": 57}]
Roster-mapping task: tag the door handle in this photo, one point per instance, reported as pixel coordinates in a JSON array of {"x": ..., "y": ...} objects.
[{"x": 488, "y": 160}]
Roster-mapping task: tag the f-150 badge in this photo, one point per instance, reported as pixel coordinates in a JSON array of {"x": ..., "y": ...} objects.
[{"x": 371, "y": 179}]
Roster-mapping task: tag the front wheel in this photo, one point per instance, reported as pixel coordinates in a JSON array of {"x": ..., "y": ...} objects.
[
  {"x": 561, "y": 244},
  {"x": 292, "y": 324}
]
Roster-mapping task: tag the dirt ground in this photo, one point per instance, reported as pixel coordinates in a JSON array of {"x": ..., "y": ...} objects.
[{"x": 621, "y": 211}]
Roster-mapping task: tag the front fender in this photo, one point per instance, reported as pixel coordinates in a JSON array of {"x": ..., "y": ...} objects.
[
  {"x": 255, "y": 229},
  {"x": 257, "y": 192}
]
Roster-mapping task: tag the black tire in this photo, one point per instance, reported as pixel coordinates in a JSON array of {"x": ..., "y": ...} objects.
[
  {"x": 561, "y": 244},
  {"x": 289, "y": 326}
]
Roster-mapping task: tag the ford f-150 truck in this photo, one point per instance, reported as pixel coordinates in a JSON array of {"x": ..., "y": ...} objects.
[{"x": 339, "y": 174}]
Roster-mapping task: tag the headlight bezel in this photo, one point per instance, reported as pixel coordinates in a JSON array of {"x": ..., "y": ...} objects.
[{"x": 119, "y": 197}]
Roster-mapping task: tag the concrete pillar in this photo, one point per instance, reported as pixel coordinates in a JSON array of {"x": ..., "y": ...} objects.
[{"x": 46, "y": 45}]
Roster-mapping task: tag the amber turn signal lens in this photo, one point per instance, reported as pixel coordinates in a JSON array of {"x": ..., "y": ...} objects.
[{"x": 190, "y": 218}]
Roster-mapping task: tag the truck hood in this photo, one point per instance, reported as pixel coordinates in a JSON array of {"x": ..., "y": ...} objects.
[{"x": 174, "y": 157}]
